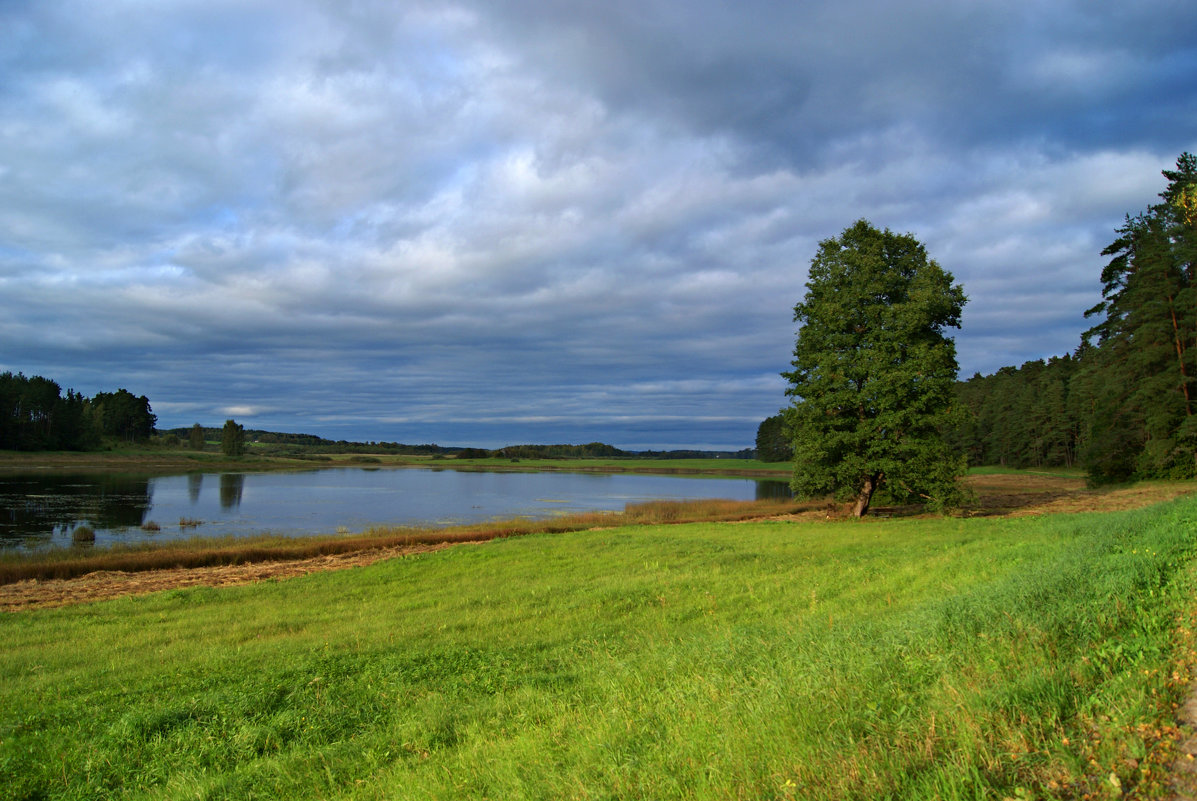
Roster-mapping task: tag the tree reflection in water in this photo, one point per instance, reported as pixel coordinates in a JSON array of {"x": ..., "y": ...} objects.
[
  {"x": 35, "y": 508},
  {"x": 231, "y": 487}
]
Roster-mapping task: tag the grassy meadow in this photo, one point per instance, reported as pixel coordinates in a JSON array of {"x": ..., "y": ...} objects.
[{"x": 915, "y": 658}]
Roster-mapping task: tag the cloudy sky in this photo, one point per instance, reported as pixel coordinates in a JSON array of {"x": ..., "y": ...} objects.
[{"x": 501, "y": 221}]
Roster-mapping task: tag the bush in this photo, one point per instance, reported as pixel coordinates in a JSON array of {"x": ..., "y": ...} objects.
[{"x": 83, "y": 535}]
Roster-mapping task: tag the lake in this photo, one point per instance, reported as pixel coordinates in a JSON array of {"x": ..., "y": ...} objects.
[{"x": 39, "y": 511}]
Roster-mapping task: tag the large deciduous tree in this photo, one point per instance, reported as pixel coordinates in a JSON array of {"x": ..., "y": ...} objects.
[{"x": 874, "y": 372}]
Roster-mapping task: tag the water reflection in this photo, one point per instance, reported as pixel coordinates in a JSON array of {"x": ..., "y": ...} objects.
[
  {"x": 38, "y": 508},
  {"x": 231, "y": 487},
  {"x": 773, "y": 491}
]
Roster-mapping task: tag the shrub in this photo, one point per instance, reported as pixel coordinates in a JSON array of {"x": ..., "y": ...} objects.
[{"x": 83, "y": 535}]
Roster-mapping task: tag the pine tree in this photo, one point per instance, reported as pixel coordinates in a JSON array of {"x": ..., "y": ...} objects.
[
  {"x": 232, "y": 439},
  {"x": 1147, "y": 335},
  {"x": 195, "y": 437}
]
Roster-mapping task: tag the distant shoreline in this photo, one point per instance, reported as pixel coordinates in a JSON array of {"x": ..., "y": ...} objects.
[{"x": 162, "y": 461}]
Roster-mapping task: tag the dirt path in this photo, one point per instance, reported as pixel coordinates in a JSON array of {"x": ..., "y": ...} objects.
[
  {"x": 106, "y": 584},
  {"x": 1018, "y": 495}
]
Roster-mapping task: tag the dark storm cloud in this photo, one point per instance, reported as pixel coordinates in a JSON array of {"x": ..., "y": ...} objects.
[
  {"x": 482, "y": 223},
  {"x": 815, "y": 81}
]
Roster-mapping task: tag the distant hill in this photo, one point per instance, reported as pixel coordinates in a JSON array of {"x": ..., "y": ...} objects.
[
  {"x": 310, "y": 443},
  {"x": 284, "y": 443},
  {"x": 599, "y": 450}
]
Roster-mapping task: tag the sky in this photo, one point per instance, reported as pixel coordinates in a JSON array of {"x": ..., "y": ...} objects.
[{"x": 497, "y": 222}]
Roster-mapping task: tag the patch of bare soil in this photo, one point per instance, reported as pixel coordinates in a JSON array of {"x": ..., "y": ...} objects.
[
  {"x": 1018, "y": 495},
  {"x": 1002, "y": 494},
  {"x": 1107, "y": 501},
  {"x": 105, "y": 584}
]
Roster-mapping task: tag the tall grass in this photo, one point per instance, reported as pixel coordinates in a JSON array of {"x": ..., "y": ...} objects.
[{"x": 978, "y": 658}]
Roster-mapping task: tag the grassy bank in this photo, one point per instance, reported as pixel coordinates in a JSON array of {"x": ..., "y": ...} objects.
[
  {"x": 977, "y": 658},
  {"x": 1054, "y": 472}
]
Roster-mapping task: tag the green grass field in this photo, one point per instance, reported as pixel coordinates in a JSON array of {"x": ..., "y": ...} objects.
[
  {"x": 1055, "y": 472},
  {"x": 919, "y": 658}
]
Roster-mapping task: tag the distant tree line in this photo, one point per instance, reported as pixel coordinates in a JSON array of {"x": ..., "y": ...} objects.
[
  {"x": 743, "y": 453},
  {"x": 1030, "y": 416},
  {"x": 282, "y": 444},
  {"x": 1122, "y": 406},
  {"x": 36, "y": 416},
  {"x": 593, "y": 450},
  {"x": 275, "y": 443}
]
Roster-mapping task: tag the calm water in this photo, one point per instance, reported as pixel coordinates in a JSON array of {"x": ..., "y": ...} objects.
[{"x": 40, "y": 511}]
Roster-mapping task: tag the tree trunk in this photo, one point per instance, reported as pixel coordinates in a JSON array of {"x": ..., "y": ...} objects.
[
  {"x": 866, "y": 495},
  {"x": 1180, "y": 357}
]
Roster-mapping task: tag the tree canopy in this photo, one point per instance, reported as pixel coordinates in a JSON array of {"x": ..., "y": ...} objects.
[
  {"x": 1146, "y": 341},
  {"x": 1122, "y": 406},
  {"x": 35, "y": 416},
  {"x": 1030, "y": 416},
  {"x": 773, "y": 440},
  {"x": 123, "y": 415},
  {"x": 232, "y": 439},
  {"x": 874, "y": 373}
]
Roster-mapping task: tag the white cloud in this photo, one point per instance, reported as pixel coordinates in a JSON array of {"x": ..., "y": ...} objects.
[{"x": 241, "y": 411}]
